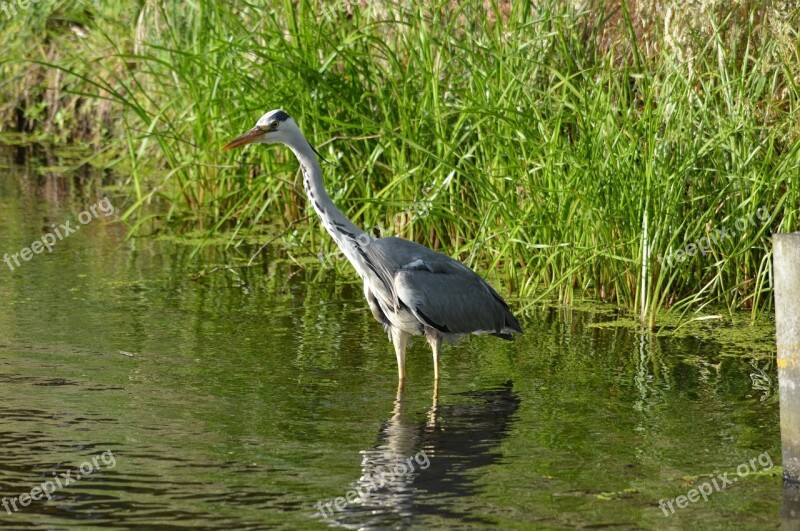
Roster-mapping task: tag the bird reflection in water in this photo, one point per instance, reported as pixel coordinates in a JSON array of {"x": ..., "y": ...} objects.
[{"x": 419, "y": 464}]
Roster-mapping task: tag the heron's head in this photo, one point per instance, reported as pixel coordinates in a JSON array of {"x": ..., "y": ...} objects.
[{"x": 272, "y": 128}]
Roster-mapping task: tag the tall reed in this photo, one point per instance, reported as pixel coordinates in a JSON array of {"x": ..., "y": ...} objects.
[{"x": 560, "y": 149}]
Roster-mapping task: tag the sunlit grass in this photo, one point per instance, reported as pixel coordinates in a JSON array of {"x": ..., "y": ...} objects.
[{"x": 525, "y": 141}]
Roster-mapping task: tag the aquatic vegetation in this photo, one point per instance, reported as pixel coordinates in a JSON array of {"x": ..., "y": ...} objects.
[{"x": 564, "y": 149}]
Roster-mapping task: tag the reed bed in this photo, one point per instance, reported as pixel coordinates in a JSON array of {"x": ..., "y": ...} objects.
[{"x": 570, "y": 150}]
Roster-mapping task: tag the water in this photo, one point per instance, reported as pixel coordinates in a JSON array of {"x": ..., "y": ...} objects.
[{"x": 252, "y": 397}]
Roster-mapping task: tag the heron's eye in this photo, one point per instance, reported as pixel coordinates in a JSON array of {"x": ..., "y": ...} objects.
[{"x": 273, "y": 125}]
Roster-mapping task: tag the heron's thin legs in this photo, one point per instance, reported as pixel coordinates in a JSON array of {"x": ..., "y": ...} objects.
[
  {"x": 435, "y": 342},
  {"x": 400, "y": 341}
]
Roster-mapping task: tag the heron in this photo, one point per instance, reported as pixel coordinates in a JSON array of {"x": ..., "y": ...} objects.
[{"x": 410, "y": 289}]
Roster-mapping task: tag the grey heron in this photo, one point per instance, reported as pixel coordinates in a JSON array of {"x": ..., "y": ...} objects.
[{"x": 411, "y": 290}]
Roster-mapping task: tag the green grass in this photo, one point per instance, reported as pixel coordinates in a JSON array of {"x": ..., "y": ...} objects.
[{"x": 559, "y": 151}]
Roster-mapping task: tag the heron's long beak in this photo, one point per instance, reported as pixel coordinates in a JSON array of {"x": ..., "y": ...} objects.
[{"x": 248, "y": 138}]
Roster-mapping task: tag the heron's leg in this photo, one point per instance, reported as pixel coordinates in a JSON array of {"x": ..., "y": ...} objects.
[
  {"x": 400, "y": 341},
  {"x": 435, "y": 341}
]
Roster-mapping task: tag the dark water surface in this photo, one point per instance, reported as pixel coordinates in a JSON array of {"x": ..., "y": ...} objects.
[{"x": 252, "y": 397}]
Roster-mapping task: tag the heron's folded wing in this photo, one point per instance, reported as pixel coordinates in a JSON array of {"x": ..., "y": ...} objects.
[
  {"x": 441, "y": 291},
  {"x": 454, "y": 302}
]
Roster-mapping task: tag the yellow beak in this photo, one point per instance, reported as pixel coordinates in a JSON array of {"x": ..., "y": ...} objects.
[{"x": 248, "y": 138}]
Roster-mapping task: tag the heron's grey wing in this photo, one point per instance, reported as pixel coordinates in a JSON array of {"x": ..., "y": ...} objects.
[
  {"x": 441, "y": 292},
  {"x": 454, "y": 303}
]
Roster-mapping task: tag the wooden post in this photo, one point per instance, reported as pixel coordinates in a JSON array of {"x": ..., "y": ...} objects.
[
  {"x": 790, "y": 508},
  {"x": 786, "y": 269}
]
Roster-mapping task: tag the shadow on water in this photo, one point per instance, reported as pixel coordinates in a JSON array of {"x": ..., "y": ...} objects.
[{"x": 432, "y": 459}]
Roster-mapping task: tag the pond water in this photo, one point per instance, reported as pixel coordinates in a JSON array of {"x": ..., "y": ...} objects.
[{"x": 253, "y": 398}]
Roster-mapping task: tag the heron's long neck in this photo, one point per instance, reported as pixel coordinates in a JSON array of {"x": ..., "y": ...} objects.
[{"x": 341, "y": 229}]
